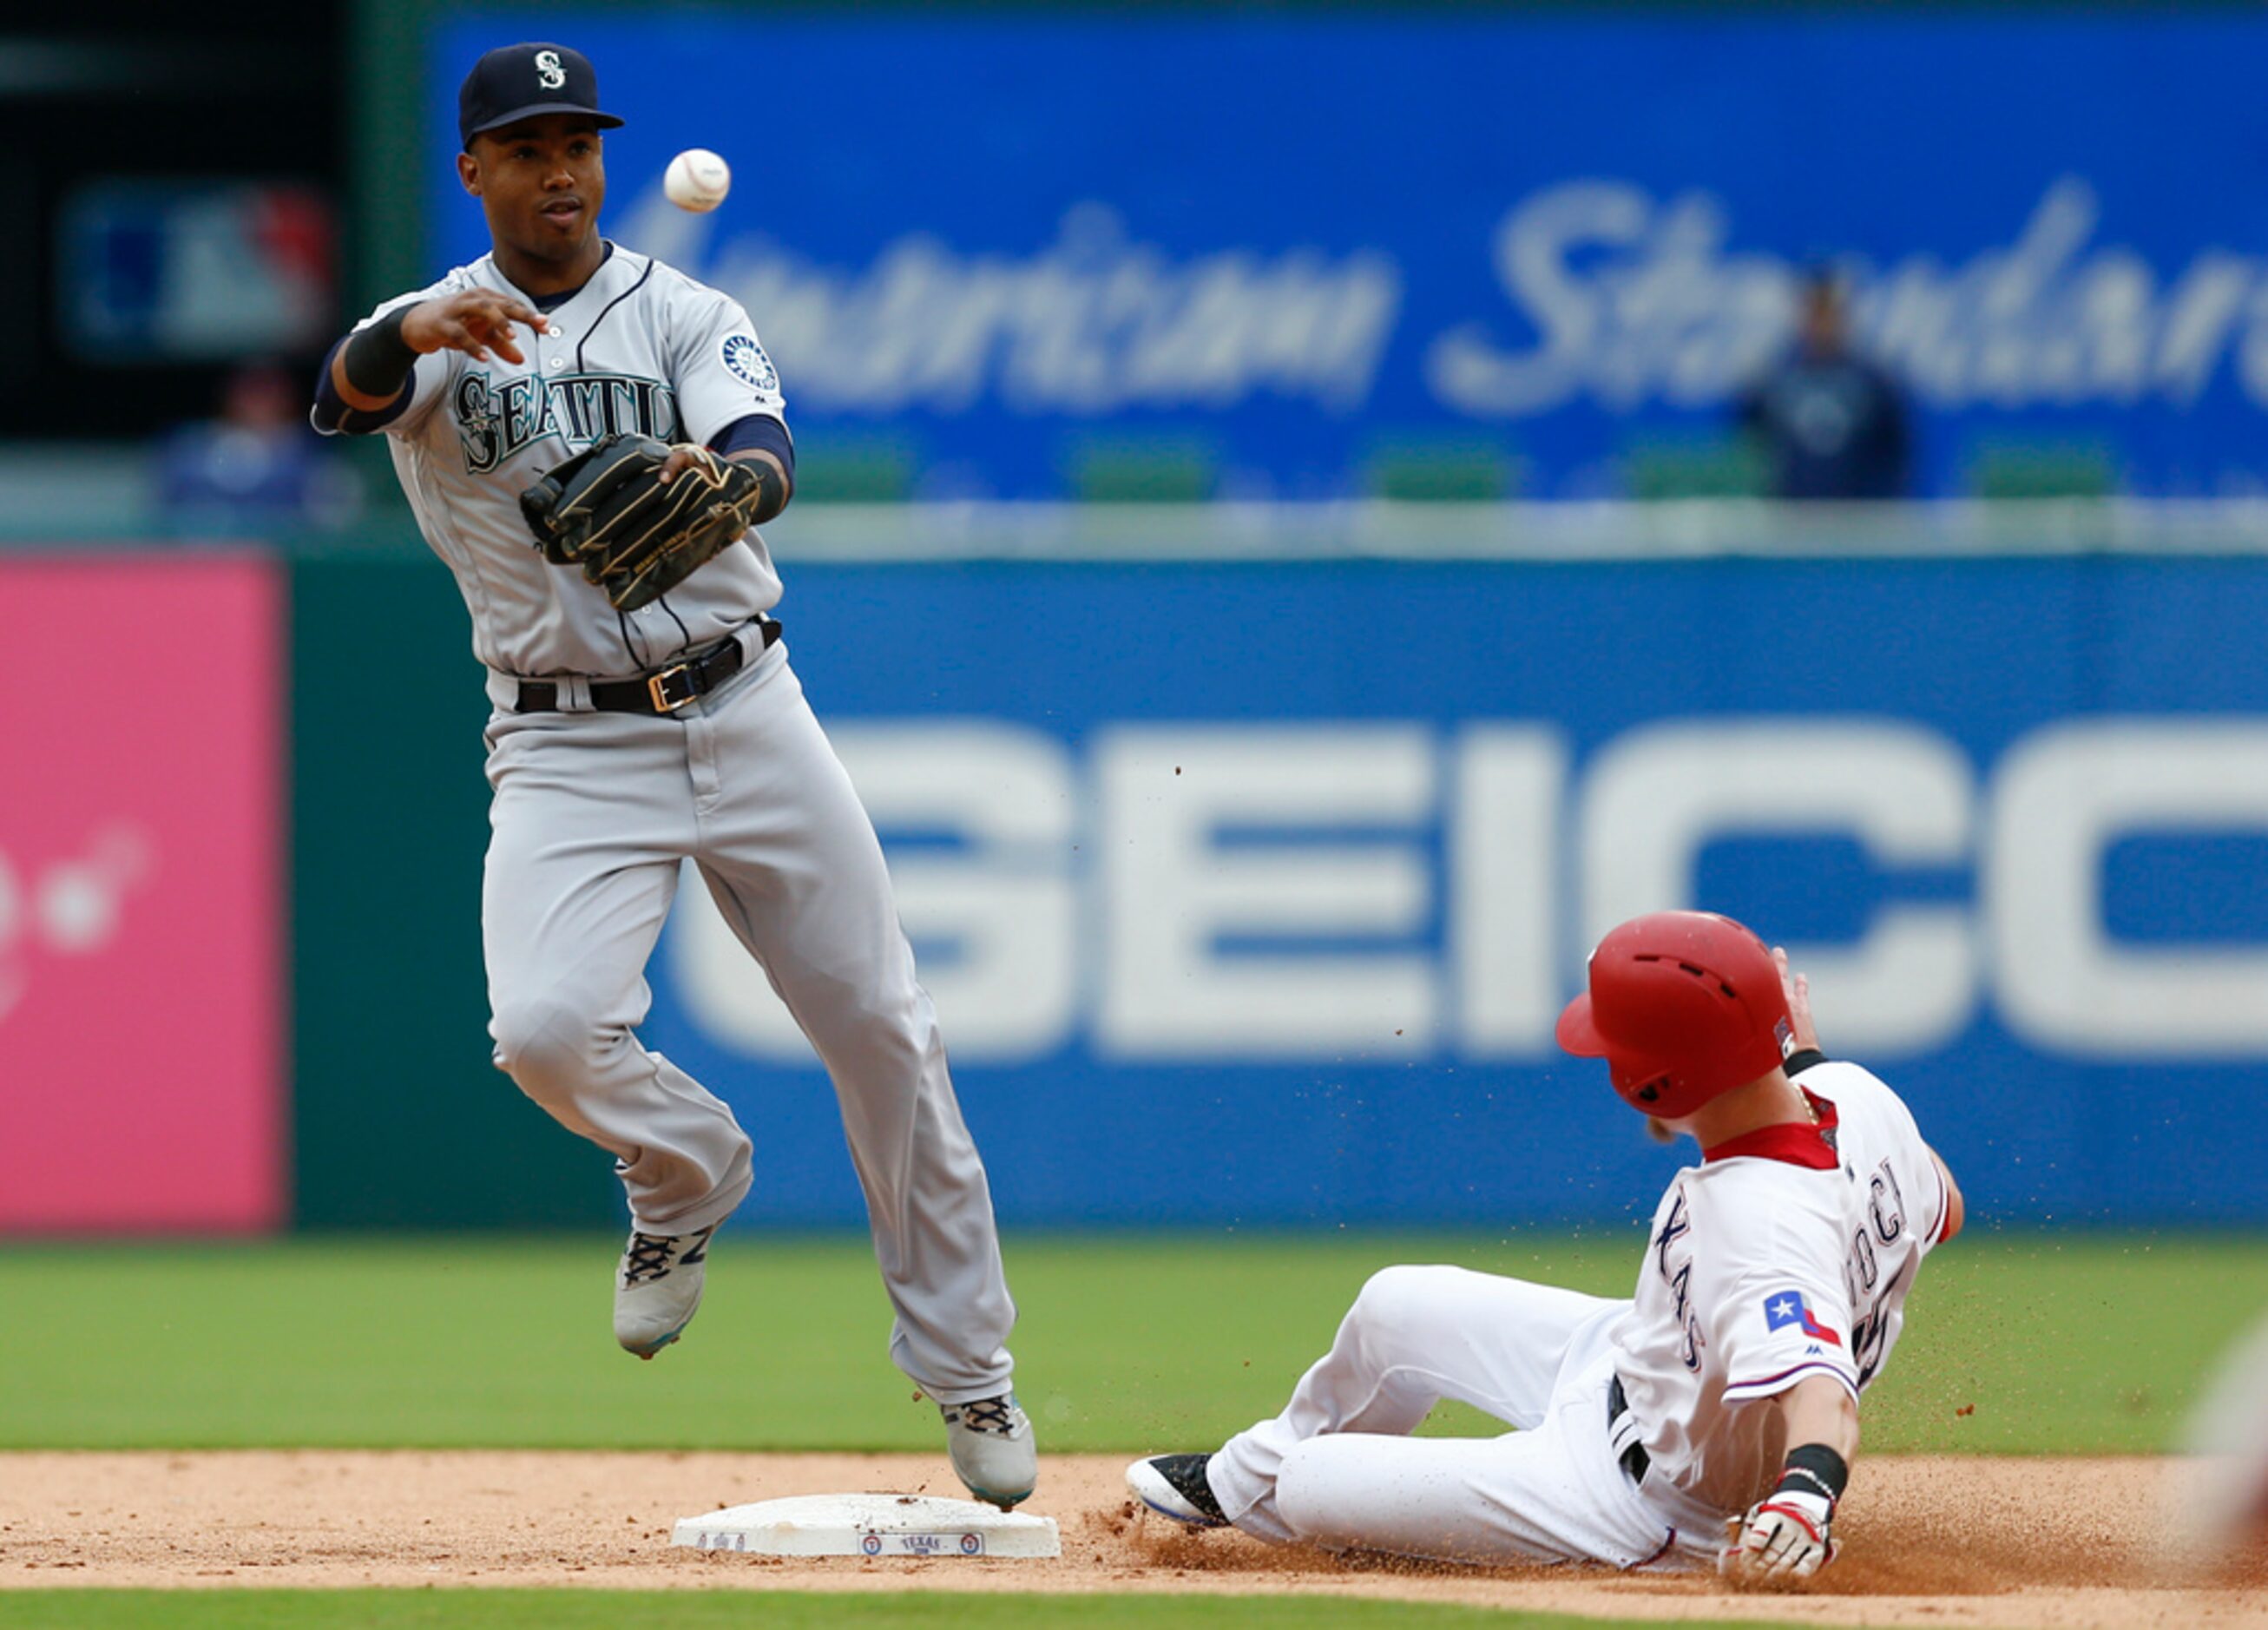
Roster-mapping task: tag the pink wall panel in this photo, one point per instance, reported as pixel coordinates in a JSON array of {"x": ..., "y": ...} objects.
[{"x": 141, "y": 1001}]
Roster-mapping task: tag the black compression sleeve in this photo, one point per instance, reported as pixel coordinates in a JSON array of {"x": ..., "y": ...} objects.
[
  {"x": 333, "y": 416},
  {"x": 771, "y": 489},
  {"x": 761, "y": 432},
  {"x": 377, "y": 359},
  {"x": 1815, "y": 1469},
  {"x": 1802, "y": 1059}
]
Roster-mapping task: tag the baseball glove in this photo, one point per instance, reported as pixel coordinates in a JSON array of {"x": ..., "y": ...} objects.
[{"x": 606, "y": 510}]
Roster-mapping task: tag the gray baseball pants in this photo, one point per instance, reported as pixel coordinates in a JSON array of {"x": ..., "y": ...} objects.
[{"x": 592, "y": 816}]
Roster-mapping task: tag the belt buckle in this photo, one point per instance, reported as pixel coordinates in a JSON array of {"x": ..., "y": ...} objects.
[{"x": 662, "y": 687}]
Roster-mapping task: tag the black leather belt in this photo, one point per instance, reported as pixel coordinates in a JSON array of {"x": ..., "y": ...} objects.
[
  {"x": 664, "y": 690},
  {"x": 1634, "y": 1460}
]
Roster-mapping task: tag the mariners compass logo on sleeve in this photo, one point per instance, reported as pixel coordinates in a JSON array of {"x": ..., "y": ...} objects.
[{"x": 745, "y": 360}]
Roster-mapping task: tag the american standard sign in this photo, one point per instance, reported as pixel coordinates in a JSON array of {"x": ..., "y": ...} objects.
[
  {"x": 1531, "y": 240},
  {"x": 1609, "y": 294}
]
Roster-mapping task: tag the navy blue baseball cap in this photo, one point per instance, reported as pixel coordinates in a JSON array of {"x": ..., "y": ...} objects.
[{"x": 516, "y": 82}]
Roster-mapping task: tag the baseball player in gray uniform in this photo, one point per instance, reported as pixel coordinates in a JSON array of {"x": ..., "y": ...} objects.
[{"x": 623, "y": 743}]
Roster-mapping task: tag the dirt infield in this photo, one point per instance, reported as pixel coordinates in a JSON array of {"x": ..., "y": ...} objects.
[{"x": 1970, "y": 1541}]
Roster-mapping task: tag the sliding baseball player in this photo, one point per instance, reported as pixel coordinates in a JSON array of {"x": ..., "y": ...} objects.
[{"x": 1709, "y": 1420}]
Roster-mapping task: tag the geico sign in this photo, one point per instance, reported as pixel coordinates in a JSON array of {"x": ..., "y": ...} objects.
[{"x": 1166, "y": 892}]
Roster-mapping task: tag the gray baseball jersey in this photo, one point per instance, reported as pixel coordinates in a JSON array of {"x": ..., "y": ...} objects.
[
  {"x": 595, "y": 812},
  {"x": 641, "y": 348}
]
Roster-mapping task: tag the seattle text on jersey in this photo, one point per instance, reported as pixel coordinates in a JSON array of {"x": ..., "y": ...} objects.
[{"x": 495, "y": 422}]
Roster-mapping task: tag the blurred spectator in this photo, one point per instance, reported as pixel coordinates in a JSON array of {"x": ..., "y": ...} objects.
[
  {"x": 257, "y": 470},
  {"x": 1830, "y": 423}
]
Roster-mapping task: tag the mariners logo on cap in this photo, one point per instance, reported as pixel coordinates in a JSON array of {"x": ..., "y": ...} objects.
[
  {"x": 746, "y": 362},
  {"x": 496, "y": 91}
]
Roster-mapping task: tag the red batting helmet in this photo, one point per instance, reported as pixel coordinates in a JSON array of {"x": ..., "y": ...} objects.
[{"x": 1682, "y": 1005}]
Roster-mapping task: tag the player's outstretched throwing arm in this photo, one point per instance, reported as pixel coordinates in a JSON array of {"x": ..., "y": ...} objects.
[{"x": 366, "y": 382}]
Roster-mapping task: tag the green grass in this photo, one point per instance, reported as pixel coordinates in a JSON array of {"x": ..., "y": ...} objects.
[
  {"x": 2056, "y": 1344},
  {"x": 609, "y": 1609}
]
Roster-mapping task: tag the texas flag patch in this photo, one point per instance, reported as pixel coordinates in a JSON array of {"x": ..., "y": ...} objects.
[{"x": 1787, "y": 1308}]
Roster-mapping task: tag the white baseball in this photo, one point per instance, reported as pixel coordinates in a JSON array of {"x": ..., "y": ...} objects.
[{"x": 696, "y": 180}]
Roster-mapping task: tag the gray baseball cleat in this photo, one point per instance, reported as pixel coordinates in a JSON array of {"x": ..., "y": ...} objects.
[
  {"x": 658, "y": 1288},
  {"x": 990, "y": 1443},
  {"x": 1175, "y": 1486}
]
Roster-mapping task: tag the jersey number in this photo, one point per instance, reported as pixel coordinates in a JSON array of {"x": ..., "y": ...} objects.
[{"x": 1886, "y": 1223}]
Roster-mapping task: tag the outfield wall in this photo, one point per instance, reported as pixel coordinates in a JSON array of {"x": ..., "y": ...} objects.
[
  {"x": 1248, "y": 891},
  {"x": 142, "y": 985}
]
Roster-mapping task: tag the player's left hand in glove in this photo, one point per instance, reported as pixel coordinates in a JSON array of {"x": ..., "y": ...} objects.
[
  {"x": 634, "y": 533},
  {"x": 1781, "y": 1542}
]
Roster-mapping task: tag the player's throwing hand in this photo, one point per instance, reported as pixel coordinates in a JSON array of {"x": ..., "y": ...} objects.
[{"x": 474, "y": 321}]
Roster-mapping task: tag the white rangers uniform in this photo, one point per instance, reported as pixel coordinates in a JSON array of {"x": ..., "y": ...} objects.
[
  {"x": 1786, "y": 1254},
  {"x": 594, "y": 812}
]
